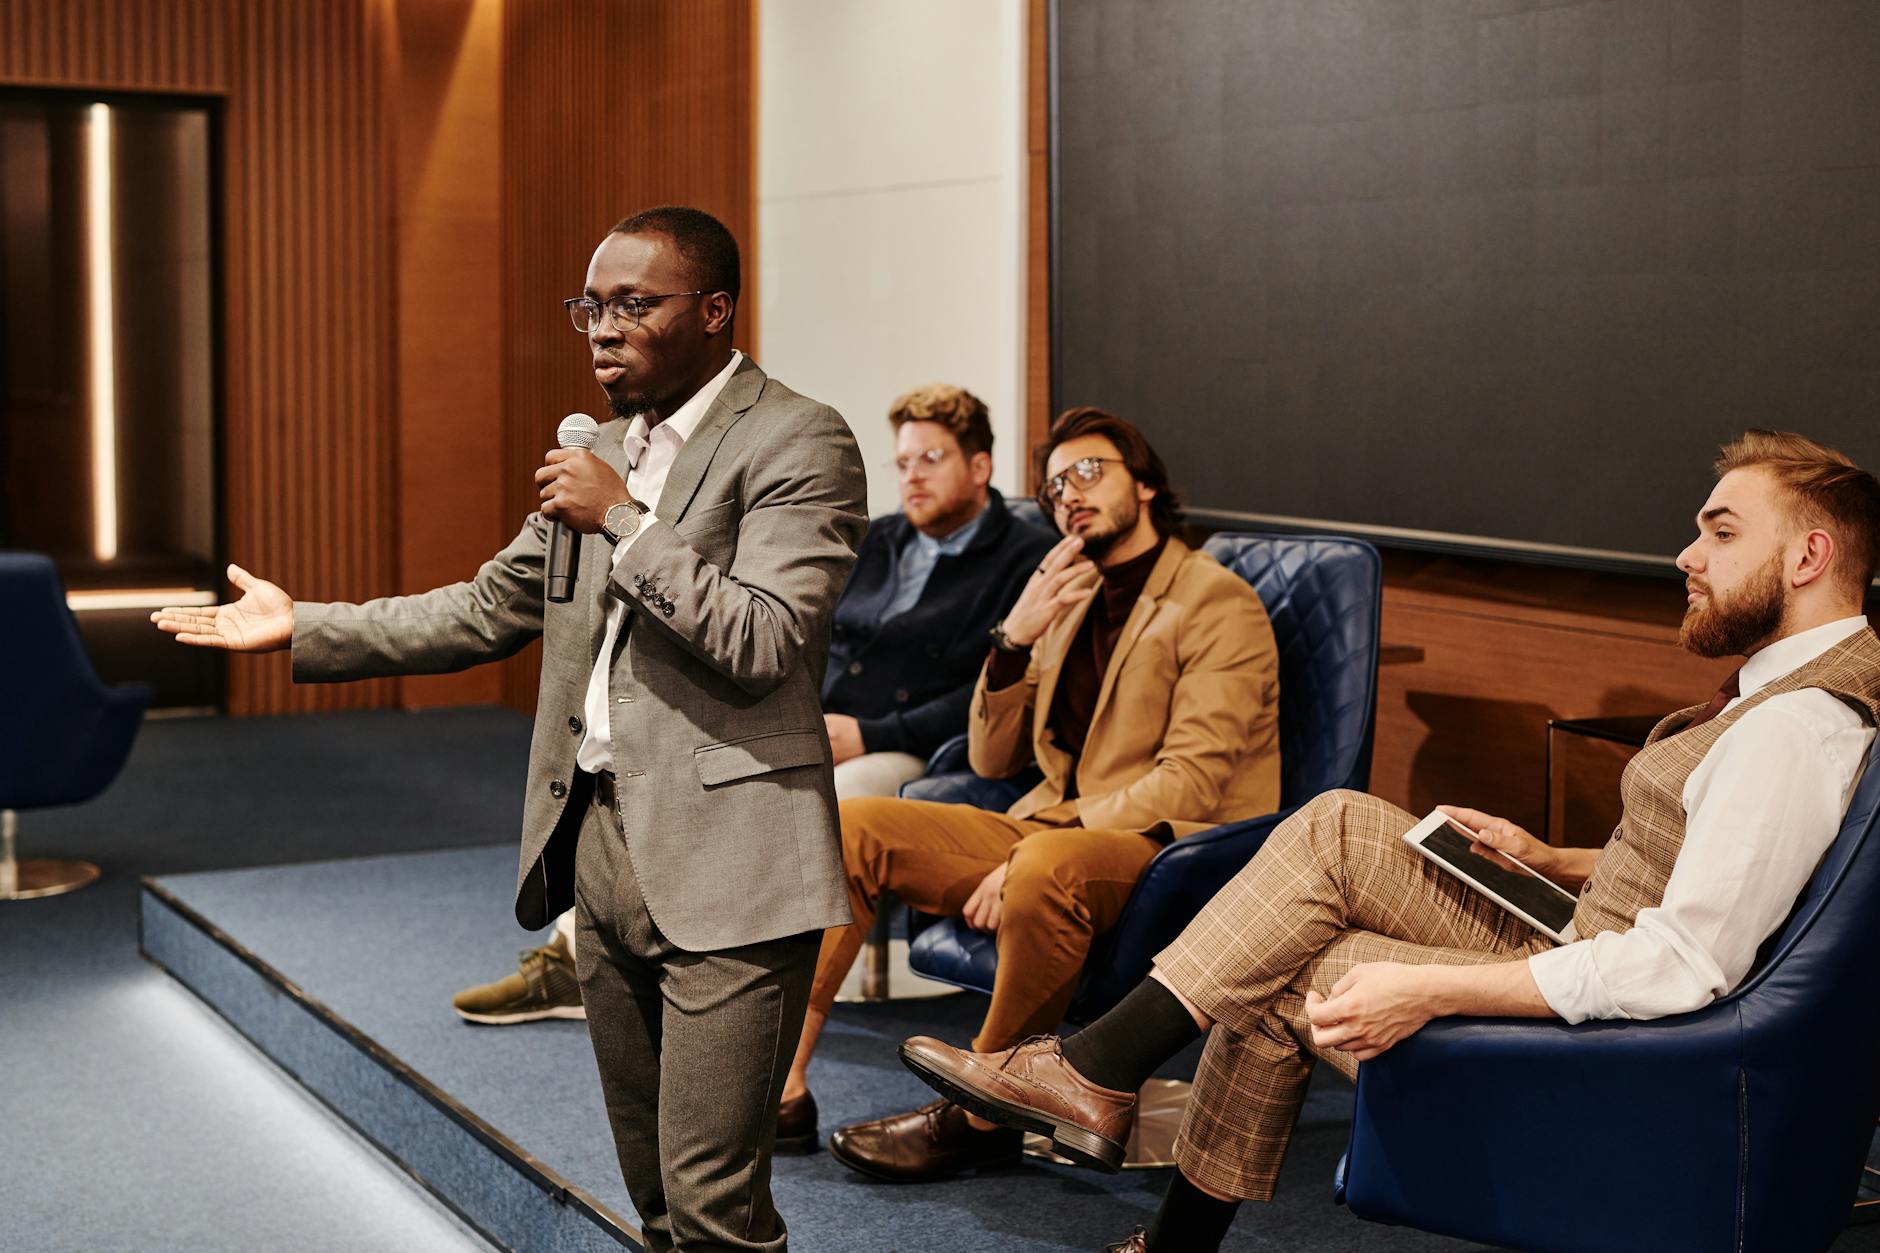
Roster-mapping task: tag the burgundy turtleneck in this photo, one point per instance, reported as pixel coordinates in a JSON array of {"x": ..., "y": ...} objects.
[{"x": 1081, "y": 678}]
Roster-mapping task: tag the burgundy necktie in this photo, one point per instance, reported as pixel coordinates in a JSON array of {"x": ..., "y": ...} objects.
[{"x": 1725, "y": 694}]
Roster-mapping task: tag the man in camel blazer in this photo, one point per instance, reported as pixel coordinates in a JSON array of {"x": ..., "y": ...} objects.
[{"x": 1143, "y": 678}]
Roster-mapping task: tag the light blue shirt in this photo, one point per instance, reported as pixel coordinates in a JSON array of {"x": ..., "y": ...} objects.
[{"x": 915, "y": 562}]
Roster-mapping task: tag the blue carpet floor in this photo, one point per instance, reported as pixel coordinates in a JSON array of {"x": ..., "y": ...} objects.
[
  {"x": 382, "y": 940},
  {"x": 134, "y": 1119}
]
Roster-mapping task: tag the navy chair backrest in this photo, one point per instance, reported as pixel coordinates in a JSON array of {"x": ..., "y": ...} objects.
[
  {"x": 1027, "y": 510},
  {"x": 1811, "y": 1030},
  {"x": 1322, "y": 596},
  {"x": 63, "y": 733}
]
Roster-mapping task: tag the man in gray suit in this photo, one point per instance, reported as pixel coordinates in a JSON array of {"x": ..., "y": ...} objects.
[{"x": 679, "y": 790}]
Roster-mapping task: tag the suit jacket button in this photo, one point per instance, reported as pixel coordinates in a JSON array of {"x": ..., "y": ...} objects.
[
  {"x": 558, "y": 789},
  {"x": 855, "y": 667},
  {"x": 900, "y": 695},
  {"x": 666, "y": 609},
  {"x": 574, "y": 724}
]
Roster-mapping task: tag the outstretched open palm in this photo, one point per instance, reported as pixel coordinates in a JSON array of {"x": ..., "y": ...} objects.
[{"x": 262, "y": 621}]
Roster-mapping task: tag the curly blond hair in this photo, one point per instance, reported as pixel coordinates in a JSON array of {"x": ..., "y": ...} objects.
[{"x": 955, "y": 408}]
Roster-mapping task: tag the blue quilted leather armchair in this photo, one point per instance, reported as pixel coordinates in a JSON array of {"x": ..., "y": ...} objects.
[
  {"x": 1741, "y": 1126},
  {"x": 1322, "y": 595},
  {"x": 63, "y": 734}
]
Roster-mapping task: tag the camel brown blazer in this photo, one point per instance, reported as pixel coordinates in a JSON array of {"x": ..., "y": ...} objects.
[
  {"x": 1186, "y": 728},
  {"x": 721, "y": 760}
]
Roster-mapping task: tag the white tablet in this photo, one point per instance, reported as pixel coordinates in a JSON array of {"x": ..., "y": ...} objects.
[{"x": 1539, "y": 902}]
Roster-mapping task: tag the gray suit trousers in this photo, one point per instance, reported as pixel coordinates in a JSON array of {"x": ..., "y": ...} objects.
[{"x": 692, "y": 1049}]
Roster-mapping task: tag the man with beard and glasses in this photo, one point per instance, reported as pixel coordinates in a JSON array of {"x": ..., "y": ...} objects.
[
  {"x": 679, "y": 792},
  {"x": 1337, "y": 940},
  {"x": 1142, "y": 679}
]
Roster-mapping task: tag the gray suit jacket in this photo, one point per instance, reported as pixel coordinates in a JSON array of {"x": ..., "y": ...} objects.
[{"x": 720, "y": 754}]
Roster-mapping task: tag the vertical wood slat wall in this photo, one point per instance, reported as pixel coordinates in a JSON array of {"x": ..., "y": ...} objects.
[
  {"x": 307, "y": 286},
  {"x": 608, "y": 108}
]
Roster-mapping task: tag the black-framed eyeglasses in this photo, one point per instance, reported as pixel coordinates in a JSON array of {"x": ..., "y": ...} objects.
[
  {"x": 624, "y": 312},
  {"x": 925, "y": 462},
  {"x": 1085, "y": 470}
]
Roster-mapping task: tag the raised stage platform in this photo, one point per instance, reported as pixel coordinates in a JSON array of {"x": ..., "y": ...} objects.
[{"x": 342, "y": 973}]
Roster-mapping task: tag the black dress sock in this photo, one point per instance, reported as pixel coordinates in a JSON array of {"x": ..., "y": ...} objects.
[
  {"x": 1121, "y": 1049},
  {"x": 1189, "y": 1220}
]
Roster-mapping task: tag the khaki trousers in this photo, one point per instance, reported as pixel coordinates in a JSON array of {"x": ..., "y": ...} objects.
[
  {"x": 1064, "y": 887},
  {"x": 1335, "y": 886}
]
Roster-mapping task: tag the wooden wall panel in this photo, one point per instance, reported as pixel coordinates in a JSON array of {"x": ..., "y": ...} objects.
[
  {"x": 608, "y": 108},
  {"x": 1037, "y": 230},
  {"x": 1506, "y": 648},
  {"x": 307, "y": 279},
  {"x": 451, "y": 498}
]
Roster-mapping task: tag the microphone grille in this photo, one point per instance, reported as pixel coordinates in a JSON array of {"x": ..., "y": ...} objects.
[{"x": 577, "y": 430}]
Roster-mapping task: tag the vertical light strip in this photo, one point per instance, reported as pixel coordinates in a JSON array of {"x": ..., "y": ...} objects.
[{"x": 103, "y": 327}]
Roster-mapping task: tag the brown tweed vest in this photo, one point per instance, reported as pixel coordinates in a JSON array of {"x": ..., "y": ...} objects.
[{"x": 1631, "y": 874}]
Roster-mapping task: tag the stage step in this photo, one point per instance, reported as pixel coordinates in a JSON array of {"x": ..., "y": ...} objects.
[{"x": 511, "y": 1198}]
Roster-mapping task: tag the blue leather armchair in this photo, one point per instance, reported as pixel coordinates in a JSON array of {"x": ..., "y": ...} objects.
[
  {"x": 1322, "y": 595},
  {"x": 63, "y": 734},
  {"x": 1741, "y": 1126}
]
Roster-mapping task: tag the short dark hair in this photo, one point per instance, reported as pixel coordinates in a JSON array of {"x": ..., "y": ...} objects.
[
  {"x": 710, "y": 251},
  {"x": 1827, "y": 489},
  {"x": 1138, "y": 457},
  {"x": 955, "y": 408}
]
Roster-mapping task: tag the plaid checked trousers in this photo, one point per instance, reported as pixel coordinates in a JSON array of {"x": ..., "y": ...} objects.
[{"x": 1335, "y": 886}]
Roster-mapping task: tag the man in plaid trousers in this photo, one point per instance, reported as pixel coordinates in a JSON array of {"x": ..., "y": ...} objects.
[{"x": 1337, "y": 940}]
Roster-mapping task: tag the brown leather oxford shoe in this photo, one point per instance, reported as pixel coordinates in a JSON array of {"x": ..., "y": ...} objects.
[
  {"x": 796, "y": 1126},
  {"x": 933, "y": 1142},
  {"x": 1030, "y": 1088}
]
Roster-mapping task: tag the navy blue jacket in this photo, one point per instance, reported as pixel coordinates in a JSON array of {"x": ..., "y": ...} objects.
[{"x": 908, "y": 681}]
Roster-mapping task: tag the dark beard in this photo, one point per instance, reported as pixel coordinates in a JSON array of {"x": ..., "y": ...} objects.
[
  {"x": 1095, "y": 546},
  {"x": 1732, "y": 627},
  {"x": 629, "y": 407}
]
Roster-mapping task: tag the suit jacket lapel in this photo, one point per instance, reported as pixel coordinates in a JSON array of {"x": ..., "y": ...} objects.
[
  {"x": 1152, "y": 592},
  {"x": 688, "y": 468}
]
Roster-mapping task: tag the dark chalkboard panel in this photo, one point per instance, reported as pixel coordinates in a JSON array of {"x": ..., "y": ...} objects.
[{"x": 1494, "y": 273}]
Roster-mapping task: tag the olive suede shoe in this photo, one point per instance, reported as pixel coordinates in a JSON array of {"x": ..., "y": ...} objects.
[{"x": 543, "y": 986}]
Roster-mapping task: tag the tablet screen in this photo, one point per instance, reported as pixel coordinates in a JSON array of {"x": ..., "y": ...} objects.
[{"x": 1539, "y": 899}]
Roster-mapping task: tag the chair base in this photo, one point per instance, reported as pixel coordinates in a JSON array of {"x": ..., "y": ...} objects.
[
  {"x": 47, "y": 876},
  {"x": 883, "y": 975},
  {"x": 1151, "y": 1141}
]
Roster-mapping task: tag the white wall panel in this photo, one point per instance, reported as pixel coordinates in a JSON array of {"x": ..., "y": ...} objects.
[{"x": 891, "y": 199}]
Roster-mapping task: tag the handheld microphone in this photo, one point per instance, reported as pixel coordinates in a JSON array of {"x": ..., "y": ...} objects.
[{"x": 577, "y": 430}]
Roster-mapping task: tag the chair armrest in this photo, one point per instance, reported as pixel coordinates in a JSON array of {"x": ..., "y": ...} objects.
[
  {"x": 967, "y": 788},
  {"x": 950, "y": 757},
  {"x": 1174, "y": 887},
  {"x": 1604, "y": 1135},
  {"x": 952, "y": 952}
]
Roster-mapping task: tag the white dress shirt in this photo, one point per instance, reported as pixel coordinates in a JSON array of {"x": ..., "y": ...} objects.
[
  {"x": 1760, "y": 811},
  {"x": 650, "y": 455}
]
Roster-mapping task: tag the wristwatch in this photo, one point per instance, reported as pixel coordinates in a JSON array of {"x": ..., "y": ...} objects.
[
  {"x": 1002, "y": 641},
  {"x": 622, "y": 520}
]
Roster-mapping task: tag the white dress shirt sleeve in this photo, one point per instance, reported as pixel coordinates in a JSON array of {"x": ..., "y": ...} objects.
[{"x": 1761, "y": 809}]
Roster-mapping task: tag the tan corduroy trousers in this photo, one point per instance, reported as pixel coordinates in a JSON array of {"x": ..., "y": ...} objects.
[
  {"x": 1335, "y": 886},
  {"x": 1063, "y": 887}
]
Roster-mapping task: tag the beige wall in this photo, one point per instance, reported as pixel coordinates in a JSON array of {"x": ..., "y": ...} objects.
[{"x": 891, "y": 202}]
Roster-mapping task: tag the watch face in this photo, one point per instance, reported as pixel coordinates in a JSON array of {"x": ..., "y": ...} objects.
[{"x": 622, "y": 521}]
